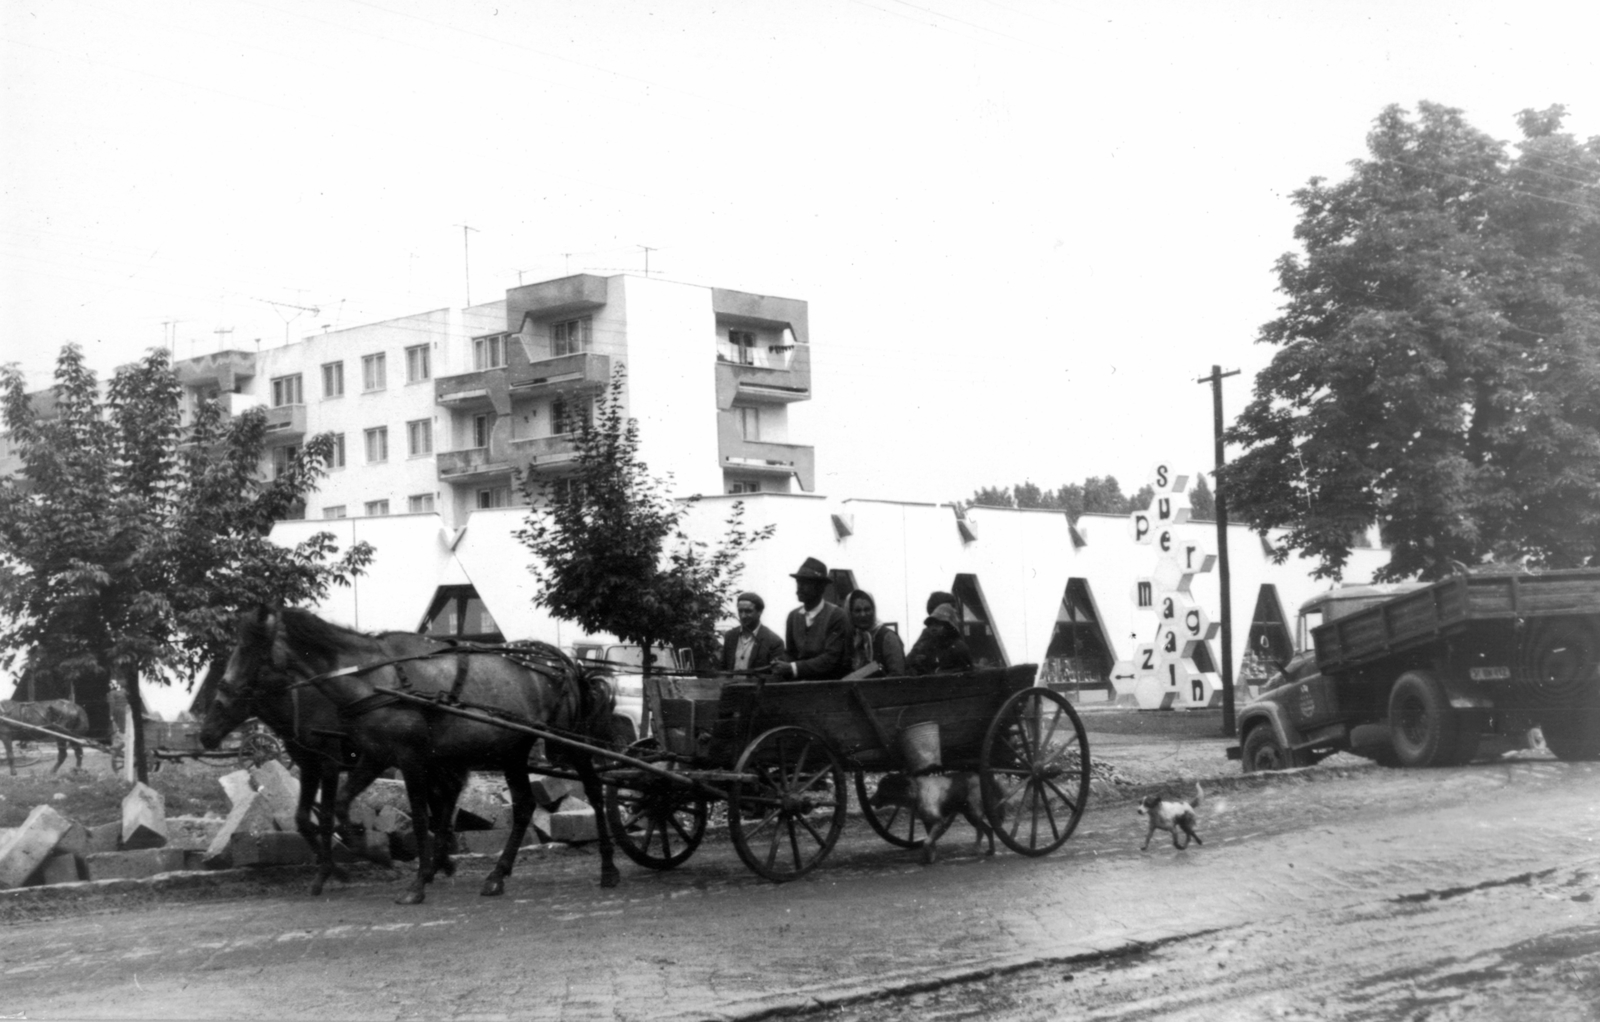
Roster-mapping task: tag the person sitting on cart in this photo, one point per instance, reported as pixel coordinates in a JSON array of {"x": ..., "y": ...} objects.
[
  {"x": 816, "y": 636},
  {"x": 930, "y": 633},
  {"x": 947, "y": 650},
  {"x": 873, "y": 642},
  {"x": 752, "y": 646}
]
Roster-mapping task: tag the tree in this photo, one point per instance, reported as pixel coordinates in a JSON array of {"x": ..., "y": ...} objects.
[
  {"x": 127, "y": 542},
  {"x": 1101, "y": 495},
  {"x": 1202, "y": 502},
  {"x": 1438, "y": 369},
  {"x": 989, "y": 496},
  {"x": 600, "y": 541}
]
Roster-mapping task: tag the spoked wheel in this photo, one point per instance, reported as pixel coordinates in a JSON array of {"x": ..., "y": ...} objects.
[
  {"x": 787, "y": 808},
  {"x": 1035, "y": 771},
  {"x": 656, "y": 822},
  {"x": 258, "y": 745},
  {"x": 895, "y": 824}
]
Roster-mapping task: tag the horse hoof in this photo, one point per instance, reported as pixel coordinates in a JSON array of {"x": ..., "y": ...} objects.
[
  {"x": 410, "y": 898},
  {"x": 316, "y": 887},
  {"x": 492, "y": 889},
  {"x": 448, "y": 868},
  {"x": 340, "y": 874},
  {"x": 610, "y": 878}
]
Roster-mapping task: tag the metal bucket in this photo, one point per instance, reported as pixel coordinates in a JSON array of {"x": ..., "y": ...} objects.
[{"x": 919, "y": 747}]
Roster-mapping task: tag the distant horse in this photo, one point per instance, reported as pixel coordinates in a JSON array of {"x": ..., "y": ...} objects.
[
  {"x": 292, "y": 650},
  {"x": 62, "y": 715},
  {"x": 313, "y": 736}
]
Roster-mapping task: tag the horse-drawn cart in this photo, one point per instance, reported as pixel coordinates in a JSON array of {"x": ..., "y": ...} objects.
[
  {"x": 252, "y": 744},
  {"x": 778, "y": 754}
]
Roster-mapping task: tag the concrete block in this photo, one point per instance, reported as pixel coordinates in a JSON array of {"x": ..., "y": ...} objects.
[
  {"x": 482, "y": 842},
  {"x": 60, "y": 868},
  {"x": 282, "y": 789},
  {"x": 144, "y": 818},
  {"x": 249, "y": 817},
  {"x": 282, "y": 848},
  {"x": 237, "y": 785},
  {"x": 573, "y": 825},
  {"x": 132, "y": 865},
  {"x": 30, "y": 845},
  {"x": 75, "y": 840},
  {"x": 392, "y": 821},
  {"x": 104, "y": 838},
  {"x": 478, "y": 809},
  {"x": 547, "y": 791},
  {"x": 540, "y": 824},
  {"x": 384, "y": 792}
]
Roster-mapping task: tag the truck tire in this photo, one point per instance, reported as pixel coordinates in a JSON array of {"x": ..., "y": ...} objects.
[
  {"x": 1573, "y": 734},
  {"x": 1263, "y": 751},
  {"x": 1424, "y": 728}
]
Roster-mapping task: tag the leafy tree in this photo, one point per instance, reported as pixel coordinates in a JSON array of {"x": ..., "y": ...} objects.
[
  {"x": 1101, "y": 495},
  {"x": 601, "y": 544},
  {"x": 1202, "y": 502},
  {"x": 127, "y": 542},
  {"x": 989, "y": 496},
  {"x": 1439, "y": 362}
]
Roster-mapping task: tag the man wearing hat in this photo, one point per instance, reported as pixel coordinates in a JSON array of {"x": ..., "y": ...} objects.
[
  {"x": 941, "y": 647},
  {"x": 817, "y": 634},
  {"x": 752, "y": 646}
]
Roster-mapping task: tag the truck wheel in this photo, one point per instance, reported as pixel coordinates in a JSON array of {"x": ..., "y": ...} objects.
[
  {"x": 1263, "y": 751},
  {"x": 1573, "y": 734},
  {"x": 1423, "y": 727}
]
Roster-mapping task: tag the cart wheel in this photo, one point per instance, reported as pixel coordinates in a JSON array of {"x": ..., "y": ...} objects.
[
  {"x": 257, "y": 746},
  {"x": 897, "y": 825},
  {"x": 656, "y": 822},
  {"x": 787, "y": 808},
  {"x": 1035, "y": 771}
]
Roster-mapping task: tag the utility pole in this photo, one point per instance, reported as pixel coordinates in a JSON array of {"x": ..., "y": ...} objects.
[
  {"x": 647, "y": 251},
  {"x": 466, "y": 255},
  {"x": 1215, "y": 379}
]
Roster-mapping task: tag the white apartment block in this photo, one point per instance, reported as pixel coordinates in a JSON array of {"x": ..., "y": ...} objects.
[{"x": 437, "y": 412}]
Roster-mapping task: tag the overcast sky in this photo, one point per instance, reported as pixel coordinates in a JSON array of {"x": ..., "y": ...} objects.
[{"x": 1025, "y": 229}]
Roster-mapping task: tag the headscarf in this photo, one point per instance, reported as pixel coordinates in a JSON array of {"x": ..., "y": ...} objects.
[{"x": 861, "y": 652}]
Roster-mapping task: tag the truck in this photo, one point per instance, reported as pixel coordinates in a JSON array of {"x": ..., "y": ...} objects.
[{"x": 1416, "y": 674}]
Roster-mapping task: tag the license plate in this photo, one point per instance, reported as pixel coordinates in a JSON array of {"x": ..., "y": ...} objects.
[{"x": 1490, "y": 673}]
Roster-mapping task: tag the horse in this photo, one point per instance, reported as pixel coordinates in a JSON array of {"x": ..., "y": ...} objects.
[
  {"x": 60, "y": 715},
  {"x": 312, "y": 734},
  {"x": 358, "y": 673}
]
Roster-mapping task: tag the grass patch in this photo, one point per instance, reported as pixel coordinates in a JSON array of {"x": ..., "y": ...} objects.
[{"x": 93, "y": 798}]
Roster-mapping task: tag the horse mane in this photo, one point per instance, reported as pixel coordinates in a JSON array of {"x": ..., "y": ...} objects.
[{"x": 311, "y": 635}]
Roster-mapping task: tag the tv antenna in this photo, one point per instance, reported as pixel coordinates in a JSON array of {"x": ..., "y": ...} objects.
[{"x": 280, "y": 306}]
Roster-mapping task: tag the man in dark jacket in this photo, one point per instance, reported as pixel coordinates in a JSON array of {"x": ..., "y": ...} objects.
[
  {"x": 922, "y": 649},
  {"x": 946, "y": 650},
  {"x": 817, "y": 634},
  {"x": 752, "y": 646}
]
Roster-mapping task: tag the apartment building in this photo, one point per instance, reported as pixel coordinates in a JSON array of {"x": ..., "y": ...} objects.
[{"x": 438, "y": 412}]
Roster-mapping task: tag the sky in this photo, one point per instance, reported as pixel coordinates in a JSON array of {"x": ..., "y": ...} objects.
[{"x": 1025, "y": 229}]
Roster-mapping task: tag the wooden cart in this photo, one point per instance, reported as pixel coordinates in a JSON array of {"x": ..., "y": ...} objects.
[
  {"x": 778, "y": 754},
  {"x": 251, "y": 744}
]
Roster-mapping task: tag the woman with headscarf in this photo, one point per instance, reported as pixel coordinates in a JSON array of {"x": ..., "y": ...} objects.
[{"x": 870, "y": 641}]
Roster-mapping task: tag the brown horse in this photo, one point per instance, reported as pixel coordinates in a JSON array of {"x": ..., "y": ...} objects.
[
  {"x": 313, "y": 736},
  {"x": 59, "y": 715},
  {"x": 280, "y": 648}
]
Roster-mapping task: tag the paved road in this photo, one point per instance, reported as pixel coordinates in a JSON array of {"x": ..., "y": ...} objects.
[{"x": 871, "y": 927}]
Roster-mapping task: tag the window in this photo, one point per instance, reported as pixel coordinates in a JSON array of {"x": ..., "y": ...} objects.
[
  {"x": 376, "y": 508},
  {"x": 570, "y": 337},
  {"x": 419, "y": 437},
  {"x": 417, "y": 368},
  {"x": 282, "y": 459},
  {"x": 419, "y": 503},
  {"x": 744, "y": 486},
  {"x": 374, "y": 375},
  {"x": 750, "y": 423},
  {"x": 743, "y": 343},
  {"x": 336, "y": 458},
  {"x": 567, "y": 416},
  {"x": 499, "y": 496},
  {"x": 286, "y": 391},
  {"x": 480, "y": 430},
  {"x": 489, "y": 352},
  {"x": 333, "y": 379},
  {"x": 377, "y": 444},
  {"x": 335, "y": 511}
]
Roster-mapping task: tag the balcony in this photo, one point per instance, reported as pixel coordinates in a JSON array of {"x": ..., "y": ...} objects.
[
  {"x": 472, "y": 463},
  {"x": 582, "y": 370},
  {"x": 780, "y": 375},
  {"x": 286, "y": 424},
  {"x": 545, "y": 452},
  {"x": 756, "y": 457},
  {"x": 485, "y": 389}
]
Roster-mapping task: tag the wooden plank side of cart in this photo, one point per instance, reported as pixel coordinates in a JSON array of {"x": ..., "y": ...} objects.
[{"x": 963, "y": 705}]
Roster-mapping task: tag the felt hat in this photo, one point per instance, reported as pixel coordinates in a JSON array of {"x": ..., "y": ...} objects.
[
  {"x": 751, "y": 598},
  {"x": 944, "y": 614},
  {"x": 813, "y": 570}
]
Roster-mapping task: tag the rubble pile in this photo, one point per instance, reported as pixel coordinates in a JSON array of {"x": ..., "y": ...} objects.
[{"x": 50, "y": 848}]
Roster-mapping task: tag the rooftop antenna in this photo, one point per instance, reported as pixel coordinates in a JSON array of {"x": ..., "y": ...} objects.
[
  {"x": 647, "y": 251},
  {"x": 280, "y": 306},
  {"x": 466, "y": 256},
  {"x": 222, "y": 333}
]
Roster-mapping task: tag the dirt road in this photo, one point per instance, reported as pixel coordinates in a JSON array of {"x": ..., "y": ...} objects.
[{"x": 1334, "y": 894}]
